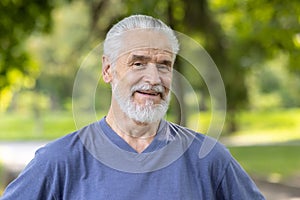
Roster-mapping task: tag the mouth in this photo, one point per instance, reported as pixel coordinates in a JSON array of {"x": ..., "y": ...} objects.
[
  {"x": 155, "y": 93},
  {"x": 149, "y": 92}
]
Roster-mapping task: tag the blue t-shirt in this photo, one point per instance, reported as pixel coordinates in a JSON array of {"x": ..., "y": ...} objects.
[{"x": 94, "y": 163}]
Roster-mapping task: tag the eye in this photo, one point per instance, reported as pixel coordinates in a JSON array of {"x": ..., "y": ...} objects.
[
  {"x": 139, "y": 65},
  {"x": 163, "y": 68}
]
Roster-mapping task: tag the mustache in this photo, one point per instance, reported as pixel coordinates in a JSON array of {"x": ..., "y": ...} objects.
[{"x": 145, "y": 86}]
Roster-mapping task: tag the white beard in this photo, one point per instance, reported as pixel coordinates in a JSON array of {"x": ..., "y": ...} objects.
[{"x": 147, "y": 113}]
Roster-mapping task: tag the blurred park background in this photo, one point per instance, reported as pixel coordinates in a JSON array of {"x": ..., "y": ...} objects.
[{"x": 255, "y": 45}]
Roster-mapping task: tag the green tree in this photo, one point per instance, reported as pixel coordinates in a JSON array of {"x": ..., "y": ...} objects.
[
  {"x": 255, "y": 31},
  {"x": 239, "y": 36},
  {"x": 18, "y": 19},
  {"x": 77, "y": 28},
  {"x": 59, "y": 53}
]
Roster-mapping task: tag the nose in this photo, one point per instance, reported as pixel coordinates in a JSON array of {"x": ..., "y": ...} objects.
[{"x": 152, "y": 75}]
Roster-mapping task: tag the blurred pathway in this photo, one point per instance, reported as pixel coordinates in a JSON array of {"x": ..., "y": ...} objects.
[
  {"x": 277, "y": 191},
  {"x": 16, "y": 155},
  {"x": 244, "y": 140}
]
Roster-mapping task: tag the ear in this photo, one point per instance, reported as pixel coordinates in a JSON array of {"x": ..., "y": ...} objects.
[{"x": 106, "y": 69}]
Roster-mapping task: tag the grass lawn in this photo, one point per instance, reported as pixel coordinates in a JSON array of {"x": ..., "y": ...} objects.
[
  {"x": 24, "y": 127},
  {"x": 49, "y": 126},
  {"x": 277, "y": 126},
  {"x": 270, "y": 162}
]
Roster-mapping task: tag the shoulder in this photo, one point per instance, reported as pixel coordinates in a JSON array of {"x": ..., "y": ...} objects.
[
  {"x": 68, "y": 149},
  {"x": 206, "y": 156},
  {"x": 207, "y": 146},
  {"x": 64, "y": 150},
  {"x": 59, "y": 147}
]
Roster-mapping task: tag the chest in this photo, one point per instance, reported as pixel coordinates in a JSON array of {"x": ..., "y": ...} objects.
[{"x": 177, "y": 181}]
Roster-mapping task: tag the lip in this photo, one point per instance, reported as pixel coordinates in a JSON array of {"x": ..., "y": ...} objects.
[
  {"x": 148, "y": 92},
  {"x": 156, "y": 96}
]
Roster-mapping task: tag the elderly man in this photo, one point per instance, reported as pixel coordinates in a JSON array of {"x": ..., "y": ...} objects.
[{"x": 133, "y": 153}]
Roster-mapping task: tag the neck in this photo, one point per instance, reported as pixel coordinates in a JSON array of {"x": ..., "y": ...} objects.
[{"x": 137, "y": 134}]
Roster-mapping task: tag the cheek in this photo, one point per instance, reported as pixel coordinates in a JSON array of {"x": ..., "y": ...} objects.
[
  {"x": 167, "y": 82},
  {"x": 125, "y": 83},
  {"x": 131, "y": 78}
]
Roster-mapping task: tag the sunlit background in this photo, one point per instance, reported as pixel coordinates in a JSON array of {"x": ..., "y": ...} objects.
[{"x": 255, "y": 45}]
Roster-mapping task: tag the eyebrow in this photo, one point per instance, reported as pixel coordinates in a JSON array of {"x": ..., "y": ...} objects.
[
  {"x": 148, "y": 58},
  {"x": 166, "y": 62},
  {"x": 139, "y": 57}
]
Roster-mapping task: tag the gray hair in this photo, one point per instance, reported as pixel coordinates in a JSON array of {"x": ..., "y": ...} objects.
[{"x": 112, "y": 42}]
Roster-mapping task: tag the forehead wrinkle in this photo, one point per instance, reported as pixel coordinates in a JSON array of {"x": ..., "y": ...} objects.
[
  {"x": 140, "y": 57},
  {"x": 161, "y": 59},
  {"x": 149, "y": 53}
]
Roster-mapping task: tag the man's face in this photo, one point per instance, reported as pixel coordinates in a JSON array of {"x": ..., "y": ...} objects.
[{"x": 142, "y": 75}]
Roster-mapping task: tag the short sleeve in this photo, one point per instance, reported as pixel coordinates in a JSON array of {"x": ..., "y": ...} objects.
[{"x": 237, "y": 185}]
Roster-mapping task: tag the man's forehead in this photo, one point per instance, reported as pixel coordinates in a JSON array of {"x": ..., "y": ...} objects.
[
  {"x": 150, "y": 52},
  {"x": 145, "y": 39}
]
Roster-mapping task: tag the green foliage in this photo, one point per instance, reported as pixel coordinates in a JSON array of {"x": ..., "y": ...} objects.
[
  {"x": 272, "y": 84},
  {"x": 255, "y": 31},
  {"x": 259, "y": 30},
  {"x": 18, "y": 19},
  {"x": 240, "y": 36},
  {"x": 75, "y": 34},
  {"x": 59, "y": 53}
]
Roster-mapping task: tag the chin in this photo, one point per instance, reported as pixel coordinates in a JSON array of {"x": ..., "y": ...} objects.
[{"x": 147, "y": 113}]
